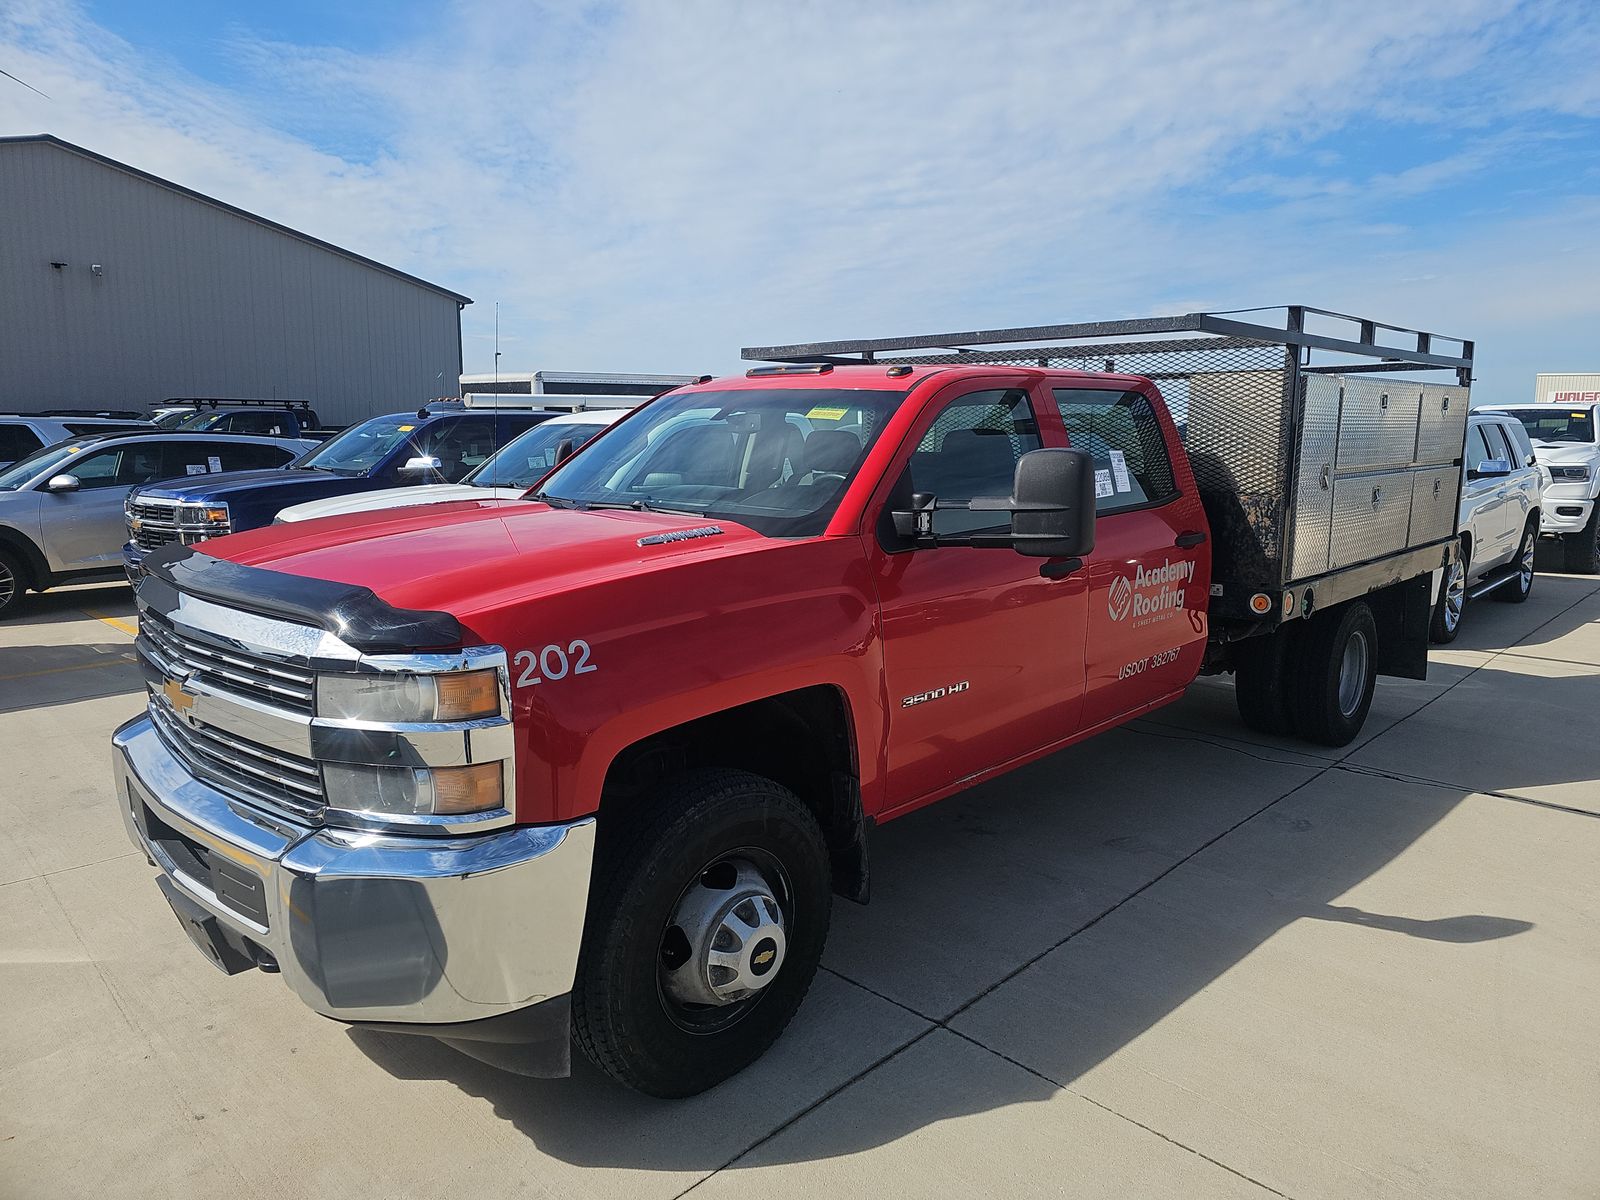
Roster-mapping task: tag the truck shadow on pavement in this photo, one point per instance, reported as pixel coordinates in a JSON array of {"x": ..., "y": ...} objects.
[{"x": 1068, "y": 907}]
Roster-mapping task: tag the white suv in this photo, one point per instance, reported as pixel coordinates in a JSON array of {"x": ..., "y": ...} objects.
[
  {"x": 1564, "y": 437},
  {"x": 1501, "y": 491}
]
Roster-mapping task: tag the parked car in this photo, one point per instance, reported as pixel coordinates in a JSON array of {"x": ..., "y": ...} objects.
[
  {"x": 114, "y": 414},
  {"x": 1565, "y": 439},
  {"x": 276, "y": 420},
  {"x": 432, "y": 445},
  {"x": 61, "y": 508},
  {"x": 23, "y": 433},
  {"x": 591, "y": 770},
  {"x": 523, "y": 461},
  {"x": 1501, "y": 490}
]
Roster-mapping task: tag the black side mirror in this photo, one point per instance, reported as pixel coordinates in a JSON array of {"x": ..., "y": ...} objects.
[{"x": 1051, "y": 506}]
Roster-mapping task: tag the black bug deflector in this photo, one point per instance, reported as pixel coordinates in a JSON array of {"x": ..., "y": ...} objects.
[{"x": 354, "y": 614}]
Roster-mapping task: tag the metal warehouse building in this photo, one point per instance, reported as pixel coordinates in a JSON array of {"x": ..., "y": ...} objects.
[{"x": 119, "y": 290}]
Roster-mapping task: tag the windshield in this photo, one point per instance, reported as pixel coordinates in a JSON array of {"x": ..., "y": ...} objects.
[
  {"x": 1556, "y": 424},
  {"x": 51, "y": 458},
  {"x": 524, "y": 461},
  {"x": 172, "y": 420},
  {"x": 777, "y": 461},
  {"x": 361, "y": 447},
  {"x": 193, "y": 422}
]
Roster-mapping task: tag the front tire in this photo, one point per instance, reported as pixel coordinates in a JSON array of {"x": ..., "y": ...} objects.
[
  {"x": 1520, "y": 586},
  {"x": 706, "y": 923},
  {"x": 1338, "y": 673},
  {"x": 13, "y": 582},
  {"x": 1583, "y": 548}
]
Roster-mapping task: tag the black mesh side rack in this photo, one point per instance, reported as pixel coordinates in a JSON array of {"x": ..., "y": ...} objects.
[{"x": 1271, "y": 446}]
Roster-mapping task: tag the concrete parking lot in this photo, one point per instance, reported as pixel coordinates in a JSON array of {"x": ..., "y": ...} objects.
[{"x": 1181, "y": 960}]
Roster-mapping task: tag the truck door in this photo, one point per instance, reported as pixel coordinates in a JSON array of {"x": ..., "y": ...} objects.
[
  {"x": 983, "y": 656},
  {"x": 1485, "y": 509},
  {"x": 1149, "y": 575}
]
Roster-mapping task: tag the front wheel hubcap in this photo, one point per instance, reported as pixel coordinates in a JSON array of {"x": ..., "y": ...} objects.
[{"x": 726, "y": 940}]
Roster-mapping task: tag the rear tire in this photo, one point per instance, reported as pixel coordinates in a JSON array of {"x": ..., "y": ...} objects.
[
  {"x": 1520, "y": 586},
  {"x": 1337, "y": 672},
  {"x": 653, "y": 913},
  {"x": 1583, "y": 548},
  {"x": 1451, "y": 604},
  {"x": 14, "y": 581},
  {"x": 1262, "y": 671}
]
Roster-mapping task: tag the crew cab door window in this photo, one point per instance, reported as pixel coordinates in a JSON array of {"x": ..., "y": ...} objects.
[
  {"x": 971, "y": 450},
  {"x": 1120, "y": 431},
  {"x": 203, "y": 458},
  {"x": 120, "y": 466},
  {"x": 1478, "y": 451}
]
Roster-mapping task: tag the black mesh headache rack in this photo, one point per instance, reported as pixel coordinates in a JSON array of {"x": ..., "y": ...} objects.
[{"x": 1319, "y": 474}]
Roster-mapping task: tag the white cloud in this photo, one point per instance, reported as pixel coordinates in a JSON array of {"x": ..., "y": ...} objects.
[{"x": 655, "y": 185}]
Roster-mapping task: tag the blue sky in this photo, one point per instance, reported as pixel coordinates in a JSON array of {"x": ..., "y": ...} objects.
[{"x": 650, "y": 187}]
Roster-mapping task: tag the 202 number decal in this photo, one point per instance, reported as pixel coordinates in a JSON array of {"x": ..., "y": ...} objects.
[{"x": 552, "y": 663}]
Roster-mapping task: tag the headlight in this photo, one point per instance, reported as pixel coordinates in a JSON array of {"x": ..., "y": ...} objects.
[
  {"x": 403, "y": 697},
  {"x": 415, "y": 791},
  {"x": 1579, "y": 473}
]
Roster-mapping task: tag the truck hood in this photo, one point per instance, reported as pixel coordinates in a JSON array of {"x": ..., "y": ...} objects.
[
  {"x": 400, "y": 497},
  {"x": 469, "y": 556},
  {"x": 204, "y": 488},
  {"x": 1565, "y": 452}
]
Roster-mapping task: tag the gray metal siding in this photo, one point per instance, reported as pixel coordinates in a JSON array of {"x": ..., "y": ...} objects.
[
  {"x": 195, "y": 301},
  {"x": 1547, "y": 386}
]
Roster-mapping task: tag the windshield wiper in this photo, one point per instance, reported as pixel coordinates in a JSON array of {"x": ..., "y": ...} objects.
[
  {"x": 546, "y": 498},
  {"x": 645, "y": 506}
]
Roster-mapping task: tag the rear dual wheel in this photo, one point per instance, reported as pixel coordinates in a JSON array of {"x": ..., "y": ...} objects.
[
  {"x": 706, "y": 925},
  {"x": 1316, "y": 682}
]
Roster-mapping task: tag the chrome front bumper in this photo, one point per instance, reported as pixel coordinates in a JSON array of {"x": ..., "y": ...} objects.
[{"x": 366, "y": 926}]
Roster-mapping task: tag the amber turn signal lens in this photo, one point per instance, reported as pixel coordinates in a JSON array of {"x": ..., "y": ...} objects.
[
  {"x": 468, "y": 789},
  {"x": 464, "y": 695},
  {"x": 1261, "y": 603}
]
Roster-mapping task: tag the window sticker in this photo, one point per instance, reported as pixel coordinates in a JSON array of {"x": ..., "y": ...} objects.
[
  {"x": 1102, "y": 485},
  {"x": 195, "y": 469},
  {"x": 1119, "y": 471},
  {"x": 823, "y": 413},
  {"x": 407, "y": 428},
  {"x": 214, "y": 464}
]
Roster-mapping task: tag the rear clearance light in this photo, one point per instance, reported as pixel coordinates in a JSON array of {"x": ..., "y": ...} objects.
[
  {"x": 1261, "y": 604},
  {"x": 790, "y": 369}
]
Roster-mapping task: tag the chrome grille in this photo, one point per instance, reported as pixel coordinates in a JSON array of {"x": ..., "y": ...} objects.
[
  {"x": 157, "y": 525},
  {"x": 231, "y": 669},
  {"x": 243, "y": 768}
]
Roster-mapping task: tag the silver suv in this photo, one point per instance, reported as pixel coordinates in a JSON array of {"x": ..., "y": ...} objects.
[{"x": 61, "y": 518}]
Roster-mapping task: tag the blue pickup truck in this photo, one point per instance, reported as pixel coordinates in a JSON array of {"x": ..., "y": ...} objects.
[{"x": 435, "y": 444}]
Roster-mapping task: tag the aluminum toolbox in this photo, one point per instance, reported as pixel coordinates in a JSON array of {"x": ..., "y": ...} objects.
[
  {"x": 1377, "y": 422},
  {"x": 1291, "y": 428},
  {"x": 1434, "y": 503},
  {"x": 1442, "y": 428},
  {"x": 1371, "y": 517}
]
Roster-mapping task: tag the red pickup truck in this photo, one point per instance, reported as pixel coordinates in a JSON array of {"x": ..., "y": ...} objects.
[{"x": 589, "y": 766}]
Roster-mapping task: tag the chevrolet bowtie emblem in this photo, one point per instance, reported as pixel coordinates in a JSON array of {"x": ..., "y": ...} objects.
[
  {"x": 135, "y": 524},
  {"x": 764, "y": 957},
  {"x": 180, "y": 700}
]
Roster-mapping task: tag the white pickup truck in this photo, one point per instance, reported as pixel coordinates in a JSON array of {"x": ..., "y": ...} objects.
[{"x": 1564, "y": 439}]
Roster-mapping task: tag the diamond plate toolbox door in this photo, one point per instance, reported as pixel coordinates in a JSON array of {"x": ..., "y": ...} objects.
[
  {"x": 1378, "y": 423},
  {"x": 1313, "y": 499},
  {"x": 1443, "y": 427},
  {"x": 1433, "y": 503},
  {"x": 1371, "y": 516}
]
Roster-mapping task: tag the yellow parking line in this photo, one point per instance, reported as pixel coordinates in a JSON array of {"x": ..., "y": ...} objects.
[
  {"x": 113, "y": 659},
  {"x": 114, "y": 622}
]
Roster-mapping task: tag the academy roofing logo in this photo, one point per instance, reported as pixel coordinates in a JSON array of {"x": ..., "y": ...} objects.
[
  {"x": 1153, "y": 593},
  {"x": 1119, "y": 598}
]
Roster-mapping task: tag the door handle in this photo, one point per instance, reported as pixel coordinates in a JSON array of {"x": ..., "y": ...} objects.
[
  {"x": 1192, "y": 537},
  {"x": 1061, "y": 569}
]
